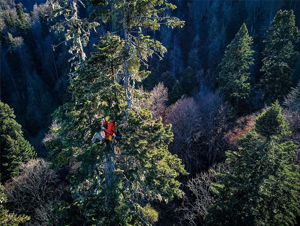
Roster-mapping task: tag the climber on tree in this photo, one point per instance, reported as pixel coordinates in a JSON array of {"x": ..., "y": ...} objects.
[{"x": 109, "y": 126}]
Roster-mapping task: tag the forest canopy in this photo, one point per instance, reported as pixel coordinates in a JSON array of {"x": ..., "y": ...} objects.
[{"x": 152, "y": 112}]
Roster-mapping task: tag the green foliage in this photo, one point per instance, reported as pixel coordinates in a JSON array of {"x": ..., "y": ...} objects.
[
  {"x": 106, "y": 187},
  {"x": 175, "y": 93},
  {"x": 233, "y": 78},
  {"x": 6, "y": 218},
  {"x": 20, "y": 12},
  {"x": 23, "y": 25},
  {"x": 76, "y": 29},
  {"x": 271, "y": 123},
  {"x": 151, "y": 81},
  {"x": 279, "y": 57},
  {"x": 262, "y": 183},
  {"x": 168, "y": 80},
  {"x": 62, "y": 158},
  {"x": 14, "y": 148},
  {"x": 114, "y": 180},
  {"x": 189, "y": 81},
  {"x": 9, "y": 20},
  {"x": 150, "y": 214},
  {"x": 11, "y": 42}
]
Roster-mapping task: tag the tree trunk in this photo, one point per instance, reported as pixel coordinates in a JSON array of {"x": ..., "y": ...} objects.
[
  {"x": 109, "y": 168},
  {"x": 13, "y": 81},
  {"x": 126, "y": 73},
  {"x": 56, "y": 71}
]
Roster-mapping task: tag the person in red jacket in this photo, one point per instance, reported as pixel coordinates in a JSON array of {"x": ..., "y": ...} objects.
[{"x": 109, "y": 126}]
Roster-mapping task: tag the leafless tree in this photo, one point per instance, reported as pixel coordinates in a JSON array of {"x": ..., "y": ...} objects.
[
  {"x": 32, "y": 192},
  {"x": 185, "y": 118},
  {"x": 196, "y": 204},
  {"x": 199, "y": 125},
  {"x": 216, "y": 118},
  {"x": 157, "y": 102}
]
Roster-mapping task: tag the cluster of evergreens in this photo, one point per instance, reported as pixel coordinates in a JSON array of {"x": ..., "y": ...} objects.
[
  {"x": 193, "y": 125},
  {"x": 278, "y": 62}
]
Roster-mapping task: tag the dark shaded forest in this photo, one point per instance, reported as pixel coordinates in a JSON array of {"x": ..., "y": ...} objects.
[{"x": 226, "y": 90}]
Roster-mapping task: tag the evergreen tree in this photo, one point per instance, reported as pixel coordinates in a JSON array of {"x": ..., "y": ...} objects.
[
  {"x": 279, "y": 57},
  {"x": 9, "y": 20},
  {"x": 233, "y": 78},
  {"x": 14, "y": 148},
  {"x": 22, "y": 24},
  {"x": 262, "y": 183},
  {"x": 20, "y": 12},
  {"x": 168, "y": 80},
  {"x": 189, "y": 81},
  {"x": 116, "y": 181},
  {"x": 6, "y": 218},
  {"x": 175, "y": 93},
  {"x": 11, "y": 42},
  {"x": 151, "y": 81}
]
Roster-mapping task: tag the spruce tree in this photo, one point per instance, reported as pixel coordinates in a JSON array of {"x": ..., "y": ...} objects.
[
  {"x": 116, "y": 181},
  {"x": 175, "y": 93},
  {"x": 262, "y": 183},
  {"x": 14, "y": 149},
  {"x": 22, "y": 24},
  {"x": 9, "y": 20},
  {"x": 233, "y": 78},
  {"x": 279, "y": 57},
  {"x": 189, "y": 81},
  {"x": 168, "y": 80}
]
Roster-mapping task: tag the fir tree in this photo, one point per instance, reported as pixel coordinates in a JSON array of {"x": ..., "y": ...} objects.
[
  {"x": 168, "y": 80},
  {"x": 9, "y": 20},
  {"x": 6, "y": 218},
  {"x": 175, "y": 93},
  {"x": 116, "y": 181},
  {"x": 20, "y": 12},
  {"x": 233, "y": 78},
  {"x": 22, "y": 24},
  {"x": 189, "y": 81},
  {"x": 11, "y": 42},
  {"x": 77, "y": 29},
  {"x": 262, "y": 183},
  {"x": 14, "y": 148},
  {"x": 151, "y": 81},
  {"x": 279, "y": 57}
]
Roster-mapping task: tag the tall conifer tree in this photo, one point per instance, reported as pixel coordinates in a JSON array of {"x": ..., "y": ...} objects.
[
  {"x": 14, "y": 149},
  {"x": 262, "y": 184},
  {"x": 116, "y": 182},
  {"x": 234, "y": 76},
  {"x": 279, "y": 57}
]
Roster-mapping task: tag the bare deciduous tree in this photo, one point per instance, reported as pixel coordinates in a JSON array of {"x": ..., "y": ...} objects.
[
  {"x": 186, "y": 120},
  {"x": 32, "y": 192},
  {"x": 199, "y": 125},
  {"x": 158, "y": 99},
  {"x": 195, "y": 206}
]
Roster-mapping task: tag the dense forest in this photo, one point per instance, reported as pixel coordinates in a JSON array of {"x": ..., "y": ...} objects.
[{"x": 153, "y": 112}]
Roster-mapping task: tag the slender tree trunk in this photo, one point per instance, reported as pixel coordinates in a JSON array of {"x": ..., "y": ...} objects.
[
  {"x": 12, "y": 79},
  {"x": 109, "y": 168},
  {"x": 126, "y": 72},
  {"x": 53, "y": 58}
]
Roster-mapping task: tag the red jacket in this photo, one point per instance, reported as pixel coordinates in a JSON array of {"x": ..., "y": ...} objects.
[{"x": 110, "y": 130}]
